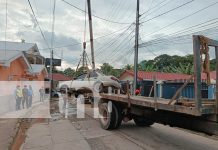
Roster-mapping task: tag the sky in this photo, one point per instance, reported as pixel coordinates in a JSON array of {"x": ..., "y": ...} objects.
[{"x": 166, "y": 27}]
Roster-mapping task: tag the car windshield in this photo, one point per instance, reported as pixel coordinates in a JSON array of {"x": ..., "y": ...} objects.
[
  {"x": 93, "y": 74},
  {"x": 81, "y": 77},
  {"x": 100, "y": 73}
]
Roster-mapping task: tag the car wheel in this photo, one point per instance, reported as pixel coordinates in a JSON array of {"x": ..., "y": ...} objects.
[{"x": 56, "y": 95}]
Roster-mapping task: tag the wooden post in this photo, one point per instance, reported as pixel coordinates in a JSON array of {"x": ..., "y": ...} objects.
[
  {"x": 197, "y": 72},
  {"x": 216, "y": 51}
]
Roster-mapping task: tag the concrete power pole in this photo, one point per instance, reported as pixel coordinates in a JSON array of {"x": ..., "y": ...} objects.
[
  {"x": 91, "y": 33},
  {"x": 50, "y": 72},
  {"x": 136, "y": 48}
]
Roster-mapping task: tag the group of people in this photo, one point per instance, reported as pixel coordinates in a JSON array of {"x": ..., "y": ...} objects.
[{"x": 23, "y": 96}]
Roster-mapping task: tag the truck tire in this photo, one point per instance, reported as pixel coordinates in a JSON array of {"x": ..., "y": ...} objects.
[
  {"x": 107, "y": 119},
  {"x": 143, "y": 122},
  {"x": 119, "y": 115}
]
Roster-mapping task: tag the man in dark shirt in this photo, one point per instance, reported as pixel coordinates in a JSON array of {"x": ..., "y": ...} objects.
[{"x": 25, "y": 97}]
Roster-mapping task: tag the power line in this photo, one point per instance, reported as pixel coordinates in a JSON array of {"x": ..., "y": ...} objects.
[
  {"x": 190, "y": 29},
  {"x": 38, "y": 24},
  {"x": 113, "y": 44},
  {"x": 147, "y": 49},
  {"x": 110, "y": 43},
  {"x": 184, "y": 18},
  {"x": 168, "y": 11},
  {"x": 113, "y": 12},
  {"x": 153, "y": 8},
  {"x": 167, "y": 38},
  {"x": 94, "y": 15},
  {"x": 79, "y": 43},
  {"x": 70, "y": 45},
  {"x": 117, "y": 47}
]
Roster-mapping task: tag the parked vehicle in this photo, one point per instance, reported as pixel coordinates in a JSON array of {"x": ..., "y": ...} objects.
[
  {"x": 93, "y": 80},
  {"x": 54, "y": 93}
]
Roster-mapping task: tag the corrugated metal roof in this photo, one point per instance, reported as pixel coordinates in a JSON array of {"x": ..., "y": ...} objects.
[
  {"x": 8, "y": 55},
  {"x": 142, "y": 75},
  {"x": 17, "y": 46},
  {"x": 212, "y": 75},
  {"x": 60, "y": 77},
  {"x": 13, "y": 49}
]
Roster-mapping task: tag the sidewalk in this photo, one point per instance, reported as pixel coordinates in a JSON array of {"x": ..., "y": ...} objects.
[
  {"x": 7, "y": 132},
  {"x": 54, "y": 136}
]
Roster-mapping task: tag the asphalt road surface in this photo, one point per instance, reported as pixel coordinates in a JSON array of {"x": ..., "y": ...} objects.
[{"x": 129, "y": 136}]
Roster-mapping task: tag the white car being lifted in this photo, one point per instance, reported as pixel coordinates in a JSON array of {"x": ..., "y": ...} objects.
[{"x": 90, "y": 82}]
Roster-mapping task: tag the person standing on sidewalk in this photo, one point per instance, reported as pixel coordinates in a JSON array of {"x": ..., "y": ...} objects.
[
  {"x": 41, "y": 92},
  {"x": 25, "y": 97},
  {"x": 30, "y": 95},
  {"x": 18, "y": 97}
]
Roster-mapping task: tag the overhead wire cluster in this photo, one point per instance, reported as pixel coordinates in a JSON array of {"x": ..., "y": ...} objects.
[{"x": 114, "y": 46}]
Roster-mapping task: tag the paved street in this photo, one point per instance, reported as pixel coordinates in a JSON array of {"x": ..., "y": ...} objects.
[{"x": 86, "y": 133}]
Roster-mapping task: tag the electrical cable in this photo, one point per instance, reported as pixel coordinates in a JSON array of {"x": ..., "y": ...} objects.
[
  {"x": 95, "y": 15},
  {"x": 38, "y": 24},
  {"x": 187, "y": 16},
  {"x": 166, "y": 12}
]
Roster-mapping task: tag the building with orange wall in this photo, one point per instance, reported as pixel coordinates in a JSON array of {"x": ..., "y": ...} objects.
[{"x": 21, "y": 61}]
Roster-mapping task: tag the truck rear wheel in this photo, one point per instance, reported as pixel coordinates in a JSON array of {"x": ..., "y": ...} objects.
[
  {"x": 143, "y": 122},
  {"x": 119, "y": 115},
  {"x": 107, "y": 118}
]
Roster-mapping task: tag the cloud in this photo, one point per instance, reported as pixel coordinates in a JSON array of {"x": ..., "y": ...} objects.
[{"x": 115, "y": 49}]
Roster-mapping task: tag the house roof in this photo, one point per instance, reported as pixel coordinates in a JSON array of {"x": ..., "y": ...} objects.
[
  {"x": 212, "y": 75},
  {"x": 142, "y": 75},
  {"x": 17, "y": 46},
  {"x": 10, "y": 50},
  {"x": 6, "y": 56},
  {"x": 60, "y": 77}
]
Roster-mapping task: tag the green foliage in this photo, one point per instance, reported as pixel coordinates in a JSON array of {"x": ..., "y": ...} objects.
[
  {"x": 129, "y": 67},
  {"x": 185, "y": 69},
  {"x": 80, "y": 70},
  {"x": 167, "y": 63},
  {"x": 69, "y": 72},
  {"x": 163, "y": 63},
  {"x": 107, "y": 69},
  {"x": 213, "y": 64}
]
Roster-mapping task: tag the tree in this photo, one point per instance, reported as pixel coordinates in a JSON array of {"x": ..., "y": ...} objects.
[
  {"x": 80, "y": 70},
  {"x": 106, "y": 69},
  {"x": 129, "y": 67},
  {"x": 69, "y": 72},
  {"x": 185, "y": 69},
  {"x": 147, "y": 66},
  {"x": 213, "y": 64}
]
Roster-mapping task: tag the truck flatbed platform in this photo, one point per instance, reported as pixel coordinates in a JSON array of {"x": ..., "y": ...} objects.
[{"x": 208, "y": 107}]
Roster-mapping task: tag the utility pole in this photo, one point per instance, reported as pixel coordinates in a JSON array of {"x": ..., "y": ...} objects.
[
  {"x": 83, "y": 56},
  {"x": 91, "y": 33},
  {"x": 136, "y": 48},
  {"x": 51, "y": 74}
]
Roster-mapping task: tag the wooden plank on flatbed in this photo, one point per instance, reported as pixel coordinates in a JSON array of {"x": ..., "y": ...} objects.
[{"x": 162, "y": 104}]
